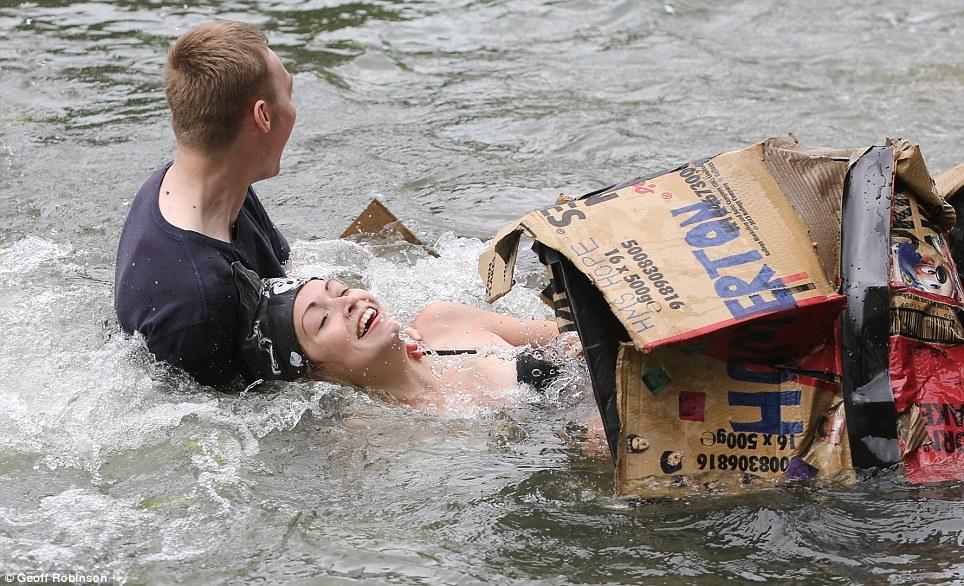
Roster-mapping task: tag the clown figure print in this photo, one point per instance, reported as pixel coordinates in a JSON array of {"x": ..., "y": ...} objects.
[{"x": 920, "y": 256}]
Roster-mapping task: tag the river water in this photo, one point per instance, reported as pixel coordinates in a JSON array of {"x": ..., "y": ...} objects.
[{"x": 461, "y": 115}]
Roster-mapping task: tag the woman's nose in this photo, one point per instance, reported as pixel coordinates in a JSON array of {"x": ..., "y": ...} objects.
[{"x": 350, "y": 299}]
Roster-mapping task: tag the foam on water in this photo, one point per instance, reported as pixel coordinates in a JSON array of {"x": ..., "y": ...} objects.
[
  {"x": 407, "y": 278},
  {"x": 78, "y": 391},
  {"x": 80, "y": 397}
]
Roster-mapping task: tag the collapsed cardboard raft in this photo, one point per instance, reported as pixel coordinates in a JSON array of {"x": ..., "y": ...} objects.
[{"x": 776, "y": 311}]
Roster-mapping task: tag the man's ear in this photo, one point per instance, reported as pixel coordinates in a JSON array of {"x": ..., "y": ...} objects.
[{"x": 262, "y": 119}]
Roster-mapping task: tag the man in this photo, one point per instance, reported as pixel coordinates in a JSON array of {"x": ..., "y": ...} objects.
[{"x": 232, "y": 114}]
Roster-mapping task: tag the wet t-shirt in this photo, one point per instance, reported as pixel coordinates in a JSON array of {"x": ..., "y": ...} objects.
[{"x": 177, "y": 287}]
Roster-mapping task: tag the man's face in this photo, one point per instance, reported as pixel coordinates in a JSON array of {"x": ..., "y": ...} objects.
[{"x": 282, "y": 113}]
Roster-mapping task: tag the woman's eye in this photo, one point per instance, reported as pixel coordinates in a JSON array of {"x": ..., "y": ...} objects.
[{"x": 344, "y": 292}]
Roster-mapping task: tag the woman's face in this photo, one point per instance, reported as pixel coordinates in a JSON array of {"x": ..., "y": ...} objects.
[{"x": 343, "y": 330}]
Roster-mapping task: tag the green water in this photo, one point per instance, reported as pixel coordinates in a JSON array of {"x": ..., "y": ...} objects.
[{"x": 462, "y": 116}]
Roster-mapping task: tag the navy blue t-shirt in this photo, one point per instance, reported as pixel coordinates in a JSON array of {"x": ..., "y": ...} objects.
[{"x": 177, "y": 287}]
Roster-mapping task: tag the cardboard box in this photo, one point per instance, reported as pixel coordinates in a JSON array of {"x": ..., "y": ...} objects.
[
  {"x": 699, "y": 249},
  {"x": 950, "y": 183}
]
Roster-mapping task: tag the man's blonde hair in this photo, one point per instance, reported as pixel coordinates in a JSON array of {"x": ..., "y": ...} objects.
[{"x": 212, "y": 73}]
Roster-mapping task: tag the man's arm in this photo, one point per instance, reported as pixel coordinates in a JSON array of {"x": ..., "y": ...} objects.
[{"x": 206, "y": 351}]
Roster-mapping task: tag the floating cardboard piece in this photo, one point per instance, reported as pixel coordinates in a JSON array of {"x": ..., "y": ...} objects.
[
  {"x": 950, "y": 183},
  {"x": 377, "y": 220},
  {"x": 696, "y": 250}
]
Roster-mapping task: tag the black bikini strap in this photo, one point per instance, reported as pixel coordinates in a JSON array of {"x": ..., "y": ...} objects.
[{"x": 429, "y": 352}]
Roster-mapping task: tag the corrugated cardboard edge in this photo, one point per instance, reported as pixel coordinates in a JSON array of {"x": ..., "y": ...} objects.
[
  {"x": 950, "y": 183},
  {"x": 375, "y": 219},
  {"x": 816, "y": 193},
  {"x": 912, "y": 172},
  {"x": 627, "y": 370},
  {"x": 497, "y": 261}
]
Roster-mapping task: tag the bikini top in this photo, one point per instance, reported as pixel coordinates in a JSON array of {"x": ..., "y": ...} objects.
[{"x": 530, "y": 369}]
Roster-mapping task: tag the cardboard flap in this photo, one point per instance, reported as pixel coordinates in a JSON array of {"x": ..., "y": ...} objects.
[
  {"x": 812, "y": 179},
  {"x": 703, "y": 247},
  {"x": 912, "y": 172},
  {"x": 376, "y": 219},
  {"x": 497, "y": 261}
]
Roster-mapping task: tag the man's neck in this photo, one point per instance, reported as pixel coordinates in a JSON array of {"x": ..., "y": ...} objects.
[{"x": 204, "y": 192}]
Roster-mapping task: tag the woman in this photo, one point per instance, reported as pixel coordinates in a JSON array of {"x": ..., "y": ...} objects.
[{"x": 321, "y": 329}]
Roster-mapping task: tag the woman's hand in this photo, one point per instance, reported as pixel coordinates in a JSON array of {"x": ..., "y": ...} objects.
[
  {"x": 413, "y": 347},
  {"x": 412, "y": 333},
  {"x": 571, "y": 344}
]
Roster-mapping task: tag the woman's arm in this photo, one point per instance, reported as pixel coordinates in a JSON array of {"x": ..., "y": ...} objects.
[{"x": 446, "y": 318}]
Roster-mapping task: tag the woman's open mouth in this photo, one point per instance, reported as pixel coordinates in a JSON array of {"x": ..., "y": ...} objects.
[{"x": 369, "y": 320}]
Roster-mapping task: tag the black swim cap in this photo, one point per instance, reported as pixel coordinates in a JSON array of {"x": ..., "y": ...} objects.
[{"x": 269, "y": 345}]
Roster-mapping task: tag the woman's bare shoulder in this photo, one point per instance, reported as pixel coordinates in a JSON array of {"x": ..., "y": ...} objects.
[
  {"x": 449, "y": 323},
  {"x": 440, "y": 316}
]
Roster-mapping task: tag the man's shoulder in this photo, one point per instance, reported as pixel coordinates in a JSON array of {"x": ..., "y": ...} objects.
[
  {"x": 159, "y": 268},
  {"x": 164, "y": 279},
  {"x": 141, "y": 223}
]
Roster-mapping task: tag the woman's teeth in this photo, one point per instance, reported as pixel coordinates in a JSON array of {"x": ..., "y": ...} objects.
[{"x": 366, "y": 320}]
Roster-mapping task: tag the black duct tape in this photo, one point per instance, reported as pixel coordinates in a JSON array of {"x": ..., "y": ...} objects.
[
  {"x": 865, "y": 269},
  {"x": 577, "y": 300},
  {"x": 599, "y": 331}
]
